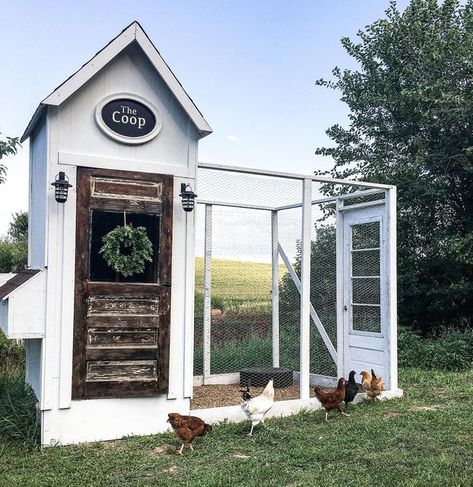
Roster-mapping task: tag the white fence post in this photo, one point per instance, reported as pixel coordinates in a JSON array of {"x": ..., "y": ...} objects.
[
  {"x": 340, "y": 290},
  {"x": 275, "y": 287},
  {"x": 392, "y": 285},
  {"x": 305, "y": 291},
  {"x": 207, "y": 291}
]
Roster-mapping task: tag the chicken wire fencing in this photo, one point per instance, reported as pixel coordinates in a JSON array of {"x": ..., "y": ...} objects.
[{"x": 249, "y": 260}]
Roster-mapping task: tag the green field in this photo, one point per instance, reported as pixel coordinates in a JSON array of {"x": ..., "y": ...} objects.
[
  {"x": 237, "y": 284},
  {"x": 242, "y": 337},
  {"x": 422, "y": 440}
]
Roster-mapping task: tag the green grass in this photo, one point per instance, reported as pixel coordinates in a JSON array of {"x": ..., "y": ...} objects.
[
  {"x": 237, "y": 284},
  {"x": 423, "y": 439},
  {"x": 448, "y": 349}
]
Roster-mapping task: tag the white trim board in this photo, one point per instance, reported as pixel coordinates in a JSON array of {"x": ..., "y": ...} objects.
[{"x": 103, "y": 162}]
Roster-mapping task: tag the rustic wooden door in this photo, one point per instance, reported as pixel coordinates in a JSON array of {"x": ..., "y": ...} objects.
[{"x": 121, "y": 325}]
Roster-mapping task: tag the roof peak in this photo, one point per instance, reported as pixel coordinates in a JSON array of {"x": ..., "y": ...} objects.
[{"x": 134, "y": 32}]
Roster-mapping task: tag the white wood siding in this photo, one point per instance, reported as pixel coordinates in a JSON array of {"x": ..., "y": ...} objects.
[
  {"x": 37, "y": 217},
  {"x": 129, "y": 72}
]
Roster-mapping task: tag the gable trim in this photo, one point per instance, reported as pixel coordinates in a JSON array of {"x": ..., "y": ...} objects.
[{"x": 133, "y": 33}]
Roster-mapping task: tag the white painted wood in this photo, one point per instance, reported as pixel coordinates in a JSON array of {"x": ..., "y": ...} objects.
[
  {"x": 50, "y": 363},
  {"x": 235, "y": 205},
  {"x": 130, "y": 71},
  {"x": 179, "y": 311},
  {"x": 366, "y": 204},
  {"x": 233, "y": 378},
  {"x": 67, "y": 257},
  {"x": 22, "y": 312},
  {"x": 287, "y": 175},
  {"x": 207, "y": 292},
  {"x": 365, "y": 350},
  {"x": 392, "y": 285},
  {"x": 235, "y": 414},
  {"x": 33, "y": 365},
  {"x": 189, "y": 301},
  {"x": 313, "y": 314},
  {"x": 340, "y": 305},
  {"x": 104, "y": 162},
  {"x": 318, "y": 379},
  {"x": 37, "y": 203},
  {"x": 330, "y": 199},
  {"x": 275, "y": 288},
  {"x": 305, "y": 290},
  {"x": 109, "y": 419}
]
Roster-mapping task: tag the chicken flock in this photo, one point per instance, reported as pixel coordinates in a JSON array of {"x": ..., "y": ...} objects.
[{"x": 187, "y": 428}]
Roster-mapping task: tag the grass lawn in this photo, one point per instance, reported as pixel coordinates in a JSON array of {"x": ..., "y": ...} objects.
[{"x": 424, "y": 439}]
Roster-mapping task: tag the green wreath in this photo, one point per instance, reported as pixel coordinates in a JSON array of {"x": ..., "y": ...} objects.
[{"x": 126, "y": 249}]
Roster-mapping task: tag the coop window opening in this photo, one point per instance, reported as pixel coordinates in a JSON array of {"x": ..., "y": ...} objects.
[{"x": 102, "y": 222}]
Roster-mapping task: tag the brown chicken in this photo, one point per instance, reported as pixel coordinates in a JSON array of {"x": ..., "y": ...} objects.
[
  {"x": 372, "y": 384},
  {"x": 332, "y": 398},
  {"x": 187, "y": 428}
]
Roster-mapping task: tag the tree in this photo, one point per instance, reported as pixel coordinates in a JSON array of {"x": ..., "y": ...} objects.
[
  {"x": 14, "y": 247},
  {"x": 7, "y": 147},
  {"x": 411, "y": 125}
]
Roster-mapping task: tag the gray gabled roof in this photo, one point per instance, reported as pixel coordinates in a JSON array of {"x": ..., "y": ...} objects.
[
  {"x": 17, "y": 281},
  {"x": 133, "y": 33}
]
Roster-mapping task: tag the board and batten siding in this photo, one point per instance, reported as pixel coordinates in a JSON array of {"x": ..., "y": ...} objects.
[
  {"x": 74, "y": 140},
  {"x": 37, "y": 208}
]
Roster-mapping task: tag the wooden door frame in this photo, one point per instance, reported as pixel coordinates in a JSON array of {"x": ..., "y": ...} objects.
[{"x": 82, "y": 261}]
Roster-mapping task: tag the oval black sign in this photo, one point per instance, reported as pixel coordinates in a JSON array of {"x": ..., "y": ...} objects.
[{"x": 129, "y": 118}]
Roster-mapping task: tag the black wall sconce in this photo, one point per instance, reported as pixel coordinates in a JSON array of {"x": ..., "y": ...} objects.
[
  {"x": 187, "y": 196},
  {"x": 61, "y": 187}
]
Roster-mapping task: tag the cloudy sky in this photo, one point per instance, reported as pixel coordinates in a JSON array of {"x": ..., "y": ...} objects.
[{"x": 250, "y": 66}]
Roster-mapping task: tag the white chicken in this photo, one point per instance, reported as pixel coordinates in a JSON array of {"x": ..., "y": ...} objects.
[{"x": 256, "y": 408}]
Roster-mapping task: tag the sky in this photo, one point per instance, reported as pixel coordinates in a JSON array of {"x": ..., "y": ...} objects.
[{"x": 249, "y": 65}]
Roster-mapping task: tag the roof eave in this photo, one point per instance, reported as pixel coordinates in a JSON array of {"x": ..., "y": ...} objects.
[{"x": 35, "y": 119}]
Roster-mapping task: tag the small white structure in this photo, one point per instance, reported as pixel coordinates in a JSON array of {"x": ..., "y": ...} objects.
[
  {"x": 106, "y": 358},
  {"x": 109, "y": 355}
]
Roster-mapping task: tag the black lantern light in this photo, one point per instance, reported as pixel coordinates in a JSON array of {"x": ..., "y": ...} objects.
[
  {"x": 61, "y": 185},
  {"x": 187, "y": 196}
]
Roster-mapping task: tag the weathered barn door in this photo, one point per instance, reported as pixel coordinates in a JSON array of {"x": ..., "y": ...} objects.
[
  {"x": 365, "y": 276},
  {"x": 121, "y": 325}
]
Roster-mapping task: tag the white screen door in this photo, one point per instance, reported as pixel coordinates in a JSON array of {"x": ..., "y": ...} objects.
[{"x": 365, "y": 313}]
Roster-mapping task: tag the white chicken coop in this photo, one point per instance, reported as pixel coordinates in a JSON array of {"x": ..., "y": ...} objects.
[{"x": 311, "y": 262}]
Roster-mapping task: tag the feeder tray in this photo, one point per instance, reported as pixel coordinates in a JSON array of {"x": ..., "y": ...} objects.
[{"x": 260, "y": 376}]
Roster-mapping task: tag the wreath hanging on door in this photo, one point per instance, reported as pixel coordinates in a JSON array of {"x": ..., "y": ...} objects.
[{"x": 126, "y": 249}]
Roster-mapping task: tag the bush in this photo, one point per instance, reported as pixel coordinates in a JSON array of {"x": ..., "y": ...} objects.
[
  {"x": 448, "y": 349},
  {"x": 18, "y": 414},
  {"x": 12, "y": 356}
]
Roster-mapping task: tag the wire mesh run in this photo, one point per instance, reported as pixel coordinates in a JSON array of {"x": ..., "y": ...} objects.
[{"x": 249, "y": 282}]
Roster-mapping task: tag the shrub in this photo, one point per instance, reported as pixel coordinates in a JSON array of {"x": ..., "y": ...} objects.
[
  {"x": 447, "y": 349},
  {"x": 18, "y": 414},
  {"x": 12, "y": 356}
]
